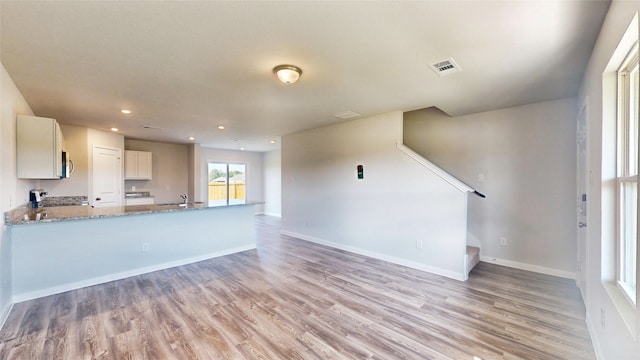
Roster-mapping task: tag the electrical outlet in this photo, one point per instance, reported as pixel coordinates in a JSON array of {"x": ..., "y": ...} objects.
[
  {"x": 503, "y": 241},
  {"x": 146, "y": 247},
  {"x": 419, "y": 244}
]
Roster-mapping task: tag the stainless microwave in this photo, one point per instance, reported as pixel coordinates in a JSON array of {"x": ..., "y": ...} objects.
[{"x": 67, "y": 165}]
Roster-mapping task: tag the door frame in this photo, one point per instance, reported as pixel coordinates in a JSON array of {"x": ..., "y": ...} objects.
[{"x": 583, "y": 179}]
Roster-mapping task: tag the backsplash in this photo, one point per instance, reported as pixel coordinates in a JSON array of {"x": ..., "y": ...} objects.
[{"x": 49, "y": 201}]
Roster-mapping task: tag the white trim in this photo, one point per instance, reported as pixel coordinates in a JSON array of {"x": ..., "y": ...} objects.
[
  {"x": 4, "y": 315},
  {"x": 435, "y": 169},
  {"x": 594, "y": 339},
  {"x": 271, "y": 214},
  {"x": 529, "y": 267},
  {"x": 380, "y": 256},
  {"x": 623, "y": 305},
  {"x": 124, "y": 274}
]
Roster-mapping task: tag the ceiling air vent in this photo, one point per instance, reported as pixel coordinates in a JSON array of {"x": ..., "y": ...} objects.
[
  {"x": 346, "y": 115},
  {"x": 445, "y": 67},
  {"x": 151, "y": 127}
]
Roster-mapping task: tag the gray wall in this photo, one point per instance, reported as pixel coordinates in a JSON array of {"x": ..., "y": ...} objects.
[
  {"x": 13, "y": 192},
  {"x": 527, "y": 157},
  {"x": 272, "y": 183},
  {"x": 170, "y": 175},
  {"x": 398, "y": 203}
]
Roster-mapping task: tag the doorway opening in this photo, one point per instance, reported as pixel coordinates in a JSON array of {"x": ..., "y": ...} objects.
[{"x": 227, "y": 184}]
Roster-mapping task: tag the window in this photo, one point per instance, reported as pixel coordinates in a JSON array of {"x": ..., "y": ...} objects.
[
  {"x": 227, "y": 185},
  {"x": 627, "y": 175}
]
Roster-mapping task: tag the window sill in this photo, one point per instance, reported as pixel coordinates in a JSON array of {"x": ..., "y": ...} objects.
[{"x": 625, "y": 308}]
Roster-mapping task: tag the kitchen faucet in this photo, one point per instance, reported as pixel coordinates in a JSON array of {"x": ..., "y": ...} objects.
[{"x": 185, "y": 197}]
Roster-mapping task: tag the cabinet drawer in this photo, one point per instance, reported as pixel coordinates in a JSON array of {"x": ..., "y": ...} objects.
[{"x": 139, "y": 201}]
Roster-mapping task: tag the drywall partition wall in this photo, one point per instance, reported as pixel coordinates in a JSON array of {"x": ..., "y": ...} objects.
[
  {"x": 272, "y": 183},
  {"x": 612, "y": 338},
  {"x": 254, "y": 176},
  {"x": 194, "y": 173},
  {"x": 523, "y": 159},
  {"x": 59, "y": 256},
  {"x": 399, "y": 211},
  {"x": 12, "y": 190},
  {"x": 170, "y": 166}
]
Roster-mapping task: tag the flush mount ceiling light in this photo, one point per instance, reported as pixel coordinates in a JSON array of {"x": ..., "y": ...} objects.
[
  {"x": 125, "y": 111},
  {"x": 288, "y": 74}
]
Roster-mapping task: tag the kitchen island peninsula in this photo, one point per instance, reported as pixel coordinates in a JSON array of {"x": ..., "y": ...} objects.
[{"x": 56, "y": 249}]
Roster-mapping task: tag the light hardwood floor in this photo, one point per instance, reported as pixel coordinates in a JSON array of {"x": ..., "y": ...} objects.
[{"x": 291, "y": 299}]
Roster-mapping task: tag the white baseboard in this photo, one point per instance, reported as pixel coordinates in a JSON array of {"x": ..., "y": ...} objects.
[
  {"x": 271, "y": 214},
  {"x": 594, "y": 338},
  {"x": 379, "y": 256},
  {"x": 4, "y": 315},
  {"x": 529, "y": 267},
  {"x": 125, "y": 274}
]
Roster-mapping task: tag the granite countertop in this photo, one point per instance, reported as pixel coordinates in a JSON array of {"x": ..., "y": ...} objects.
[{"x": 28, "y": 215}]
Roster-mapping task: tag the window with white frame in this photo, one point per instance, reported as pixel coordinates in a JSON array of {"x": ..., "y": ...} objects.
[{"x": 627, "y": 175}]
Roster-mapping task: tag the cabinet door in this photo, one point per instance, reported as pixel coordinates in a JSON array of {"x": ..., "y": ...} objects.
[
  {"x": 130, "y": 164},
  {"x": 144, "y": 165},
  {"x": 137, "y": 165},
  {"x": 38, "y": 148},
  {"x": 57, "y": 148},
  {"x": 139, "y": 201}
]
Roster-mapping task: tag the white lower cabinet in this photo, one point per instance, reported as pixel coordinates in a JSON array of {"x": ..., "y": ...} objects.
[{"x": 139, "y": 201}]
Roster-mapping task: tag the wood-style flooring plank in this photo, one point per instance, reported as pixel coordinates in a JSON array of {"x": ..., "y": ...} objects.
[{"x": 291, "y": 299}]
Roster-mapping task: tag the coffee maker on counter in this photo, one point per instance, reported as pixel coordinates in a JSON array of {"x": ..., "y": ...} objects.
[{"x": 35, "y": 196}]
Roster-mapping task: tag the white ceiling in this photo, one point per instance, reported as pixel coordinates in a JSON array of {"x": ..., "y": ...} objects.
[{"x": 187, "y": 67}]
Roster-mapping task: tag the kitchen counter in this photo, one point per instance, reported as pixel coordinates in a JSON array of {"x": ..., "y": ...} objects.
[
  {"x": 28, "y": 215},
  {"x": 70, "y": 247}
]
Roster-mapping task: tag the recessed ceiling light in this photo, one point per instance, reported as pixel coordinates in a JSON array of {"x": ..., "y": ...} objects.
[
  {"x": 125, "y": 111},
  {"x": 191, "y": 138},
  {"x": 114, "y": 129},
  {"x": 241, "y": 148},
  {"x": 272, "y": 141},
  {"x": 220, "y": 127}
]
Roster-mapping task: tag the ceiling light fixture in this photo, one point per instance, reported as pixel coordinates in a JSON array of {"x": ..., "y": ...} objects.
[
  {"x": 191, "y": 138},
  {"x": 220, "y": 127},
  {"x": 125, "y": 111},
  {"x": 114, "y": 129},
  {"x": 288, "y": 74}
]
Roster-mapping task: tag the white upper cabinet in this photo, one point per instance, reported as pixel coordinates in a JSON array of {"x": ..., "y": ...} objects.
[
  {"x": 39, "y": 146},
  {"x": 137, "y": 165}
]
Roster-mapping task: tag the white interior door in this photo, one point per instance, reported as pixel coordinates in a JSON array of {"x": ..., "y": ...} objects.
[
  {"x": 582, "y": 177},
  {"x": 107, "y": 177}
]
